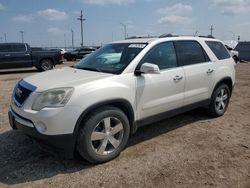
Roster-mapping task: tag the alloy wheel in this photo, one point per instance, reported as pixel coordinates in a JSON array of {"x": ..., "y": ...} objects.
[
  {"x": 107, "y": 136},
  {"x": 221, "y": 100}
]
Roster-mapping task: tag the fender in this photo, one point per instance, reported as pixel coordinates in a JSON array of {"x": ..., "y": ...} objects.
[
  {"x": 226, "y": 80},
  {"x": 123, "y": 104}
]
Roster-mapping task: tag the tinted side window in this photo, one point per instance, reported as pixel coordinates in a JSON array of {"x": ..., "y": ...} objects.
[
  {"x": 5, "y": 48},
  {"x": 18, "y": 48},
  {"x": 190, "y": 52},
  {"x": 218, "y": 49},
  {"x": 162, "y": 55}
]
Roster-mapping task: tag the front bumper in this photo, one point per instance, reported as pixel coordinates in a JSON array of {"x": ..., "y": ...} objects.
[{"x": 63, "y": 143}]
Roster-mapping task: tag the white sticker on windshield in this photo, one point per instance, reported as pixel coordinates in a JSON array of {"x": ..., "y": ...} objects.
[{"x": 137, "y": 45}]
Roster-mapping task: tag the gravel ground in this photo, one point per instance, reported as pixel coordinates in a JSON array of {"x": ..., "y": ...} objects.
[{"x": 189, "y": 150}]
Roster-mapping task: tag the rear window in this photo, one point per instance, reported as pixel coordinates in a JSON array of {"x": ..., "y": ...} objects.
[
  {"x": 190, "y": 52},
  {"x": 218, "y": 49},
  {"x": 18, "y": 48}
]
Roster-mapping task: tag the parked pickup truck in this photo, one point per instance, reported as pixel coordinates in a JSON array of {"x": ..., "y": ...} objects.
[{"x": 20, "y": 55}]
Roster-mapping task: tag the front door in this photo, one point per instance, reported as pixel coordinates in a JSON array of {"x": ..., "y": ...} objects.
[{"x": 157, "y": 93}]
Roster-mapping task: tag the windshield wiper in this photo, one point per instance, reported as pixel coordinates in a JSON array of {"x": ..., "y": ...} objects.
[{"x": 89, "y": 68}]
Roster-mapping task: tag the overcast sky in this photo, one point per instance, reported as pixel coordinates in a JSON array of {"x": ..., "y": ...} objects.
[{"x": 46, "y": 22}]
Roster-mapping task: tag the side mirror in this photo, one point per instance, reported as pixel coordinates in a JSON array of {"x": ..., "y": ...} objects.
[{"x": 149, "y": 68}]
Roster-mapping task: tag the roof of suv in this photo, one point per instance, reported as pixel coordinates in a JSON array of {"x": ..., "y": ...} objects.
[{"x": 149, "y": 40}]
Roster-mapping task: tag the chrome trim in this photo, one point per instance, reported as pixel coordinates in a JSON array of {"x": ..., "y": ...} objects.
[
  {"x": 27, "y": 85},
  {"x": 16, "y": 102},
  {"x": 21, "y": 121}
]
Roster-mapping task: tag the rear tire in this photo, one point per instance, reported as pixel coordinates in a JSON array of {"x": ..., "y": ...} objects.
[
  {"x": 103, "y": 135},
  {"x": 46, "y": 64},
  {"x": 220, "y": 100}
]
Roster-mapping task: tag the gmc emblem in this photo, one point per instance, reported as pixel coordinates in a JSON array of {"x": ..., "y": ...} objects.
[{"x": 19, "y": 92}]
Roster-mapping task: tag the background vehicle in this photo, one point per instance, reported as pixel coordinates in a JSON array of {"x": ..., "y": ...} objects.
[
  {"x": 61, "y": 50},
  {"x": 78, "y": 53},
  {"x": 95, "y": 105},
  {"x": 244, "y": 50},
  {"x": 20, "y": 55},
  {"x": 38, "y": 49},
  {"x": 234, "y": 54}
]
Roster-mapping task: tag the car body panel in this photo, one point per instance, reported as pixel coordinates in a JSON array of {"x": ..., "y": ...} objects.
[{"x": 157, "y": 93}]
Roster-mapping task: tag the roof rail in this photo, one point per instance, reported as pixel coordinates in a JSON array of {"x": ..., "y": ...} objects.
[
  {"x": 167, "y": 35},
  {"x": 171, "y": 35},
  {"x": 139, "y": 37},
  {"x": 208, "y": 36}
]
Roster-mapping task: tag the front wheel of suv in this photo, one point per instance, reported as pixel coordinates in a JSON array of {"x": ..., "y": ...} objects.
[
  {"x": 219, "y": 101},
  {"x": 103, "y": 135}
]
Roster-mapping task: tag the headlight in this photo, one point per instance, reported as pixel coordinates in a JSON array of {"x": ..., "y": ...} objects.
[{"x": 52, "y": 98}]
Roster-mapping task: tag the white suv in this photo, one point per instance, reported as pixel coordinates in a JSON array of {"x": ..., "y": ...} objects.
[{"x": 95, "y": 105}]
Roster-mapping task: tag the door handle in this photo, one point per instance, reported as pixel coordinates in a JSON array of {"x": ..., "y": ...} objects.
[
  {"x": 7, "y": 55},
  {"x": 178, "y": 78},
  {"x": 210, "y": 71},
  {"x": 26, "y": 54}
]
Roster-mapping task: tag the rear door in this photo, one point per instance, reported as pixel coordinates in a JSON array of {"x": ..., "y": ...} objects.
[
  {"x": 157, "y": 93},
  {"x": 198, "y": 70},
  {"x": 20, "y": 56}
]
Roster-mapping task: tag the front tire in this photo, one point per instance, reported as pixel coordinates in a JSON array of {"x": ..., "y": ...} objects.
[
  {"x": 219, "y": 101},
  {"x": 103, "y": 135}
]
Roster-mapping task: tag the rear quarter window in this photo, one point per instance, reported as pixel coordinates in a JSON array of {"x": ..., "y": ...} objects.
[{"x": 218, "y": 49}]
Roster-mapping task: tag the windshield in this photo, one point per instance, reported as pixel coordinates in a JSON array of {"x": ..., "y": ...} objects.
[{"x": 112, "y": 58}]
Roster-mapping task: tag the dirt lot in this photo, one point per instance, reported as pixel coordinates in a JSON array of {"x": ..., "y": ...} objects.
[{"x": 190, "y": 150}]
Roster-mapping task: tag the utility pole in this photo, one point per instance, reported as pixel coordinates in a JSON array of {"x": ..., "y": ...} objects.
[
  {"x": 1, "y": 39},
  {"x": 81, "y": 20},
  {"x": 72, "y": 37},
  {"x": 211, "y": 30},
  {"x": 233, "y": 35},
  {"x": 64, "y": 37},
  {"x": 125, "y": 30},
  {"x": 5, "y": 37},
  {"x": 22, "y": 35}
]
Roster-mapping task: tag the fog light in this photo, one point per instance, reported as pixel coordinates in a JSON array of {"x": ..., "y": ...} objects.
[{"x": 41, "y": 127}]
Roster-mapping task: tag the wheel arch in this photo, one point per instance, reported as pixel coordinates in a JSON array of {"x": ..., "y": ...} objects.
[
  {"x": 228, "y": 81},
  {"x": 122, "y": 104},
  {"x": 45, "y": 58}
]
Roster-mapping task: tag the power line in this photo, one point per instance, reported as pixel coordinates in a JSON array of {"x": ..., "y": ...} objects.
[{"x": 81, "y": 20}]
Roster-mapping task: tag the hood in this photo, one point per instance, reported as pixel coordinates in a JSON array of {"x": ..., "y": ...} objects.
[{"x": 64, "y": 77}]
